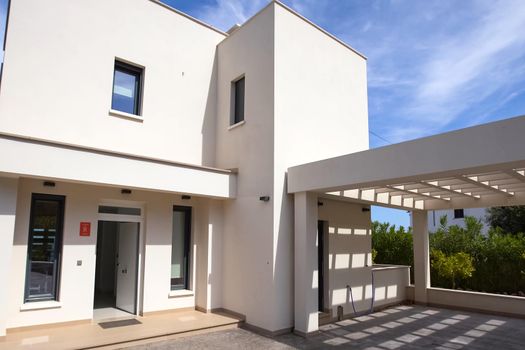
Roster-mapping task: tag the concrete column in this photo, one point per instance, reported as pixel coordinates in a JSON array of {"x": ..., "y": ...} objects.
[
  {"x": 305, "y": 247},
  {"x": 8, "y": 194},
  {"x": 421, "y": 255},
  {"x": 208, "y": 291}
]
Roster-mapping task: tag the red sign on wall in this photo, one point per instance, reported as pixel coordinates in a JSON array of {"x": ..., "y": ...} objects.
[{"x": 85, "y": 229}]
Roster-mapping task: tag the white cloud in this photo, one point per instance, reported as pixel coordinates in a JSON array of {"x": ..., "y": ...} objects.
[
  {"x": 456, "y": 75},
  {"x": 226, "y": 13}
]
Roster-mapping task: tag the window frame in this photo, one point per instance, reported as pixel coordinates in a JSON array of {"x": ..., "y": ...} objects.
[
  {"x": 457, "y": 211},
  {"x": 136, "y": 71},
  {"x": 233, "y": 101},
  {"x": 187, "y": 245},
  {"x": 58, "y": 244}
]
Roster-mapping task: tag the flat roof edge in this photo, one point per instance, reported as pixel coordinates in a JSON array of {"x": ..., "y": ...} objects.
[
  {"x": 332, "y": 36},
  {"x": 209, "y": 26}
]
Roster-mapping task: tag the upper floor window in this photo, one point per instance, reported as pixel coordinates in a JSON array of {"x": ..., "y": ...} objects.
[
  {"x": 237, "y": 101},
  {"x": 127, "y": 86},
  {"x": 459, "y": 214}
]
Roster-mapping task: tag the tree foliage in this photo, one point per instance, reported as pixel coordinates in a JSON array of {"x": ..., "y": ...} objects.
[
  {"x": 496, "y": 261},
  {"x": 508, "y": 219},
  {"x": 454, "y": 267}
]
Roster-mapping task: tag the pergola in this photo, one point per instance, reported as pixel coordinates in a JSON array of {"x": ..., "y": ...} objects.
[{"x": 480, "y": 166}]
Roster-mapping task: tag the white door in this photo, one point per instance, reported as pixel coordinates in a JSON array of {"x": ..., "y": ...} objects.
[{"x": 128, "y": 238}]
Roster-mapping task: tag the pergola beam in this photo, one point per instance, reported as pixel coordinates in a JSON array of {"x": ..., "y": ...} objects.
[
  {"x": 486, "y": 185},
  {"x": 448, "y": 188},
  {"x": 516, "y": 174},
  {"x": 401, "y": 188}
]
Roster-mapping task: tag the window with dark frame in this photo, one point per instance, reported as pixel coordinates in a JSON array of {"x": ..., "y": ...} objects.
[
  {"x": 238, "y": 100},
  {"x": 127, "y": 88},
  {"x": 459, "y": 214},
  {"x": 180, "y": 248},
  {"x": 44, "y": 247}
]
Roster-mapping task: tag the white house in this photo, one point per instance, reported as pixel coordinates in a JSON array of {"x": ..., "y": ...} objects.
[
  {"x": 150, "y": 162},
  {"x": 457, "y": 217}
]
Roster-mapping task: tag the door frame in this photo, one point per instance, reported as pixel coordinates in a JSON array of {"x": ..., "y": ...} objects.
[{"x": 140, "y": 219}]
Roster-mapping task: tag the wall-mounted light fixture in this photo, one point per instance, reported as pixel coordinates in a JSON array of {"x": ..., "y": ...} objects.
[
  {"x": 49, "y": 184},
  {"x": 264, "y": 198},
  {"x": 320, "y": 204},
  {"x": 185, "y": 197},
  {"x": 125, "y": 191},
  {"x": 365, "y": 209}
]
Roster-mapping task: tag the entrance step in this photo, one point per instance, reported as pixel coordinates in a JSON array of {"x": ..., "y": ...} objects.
[{"x": 325, "y": 317}]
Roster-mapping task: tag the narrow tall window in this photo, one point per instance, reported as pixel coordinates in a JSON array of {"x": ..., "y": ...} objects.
[
  {"x": 459, "y": 214},
  {"x": 44, "y": 247},
  {"x": 180, "y": 247},
  {"x": 127, "y": 85},
  {"x": 238, "y": 101}
]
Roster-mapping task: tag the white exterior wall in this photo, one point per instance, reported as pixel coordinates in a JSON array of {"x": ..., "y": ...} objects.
[
  {"x": 8, "y": 196},
  {"x": 76, "y": 288},
  {"x": 320, "y": 111},
  {"x": 58, "y": 76},
  {"x": 247, "y": 242},
  {"x": 435, "y": 215},
  {"x": 349, "y": 258}
]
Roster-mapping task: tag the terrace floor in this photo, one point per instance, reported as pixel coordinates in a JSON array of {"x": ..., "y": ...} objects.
[{"x": 401, "y": 327}]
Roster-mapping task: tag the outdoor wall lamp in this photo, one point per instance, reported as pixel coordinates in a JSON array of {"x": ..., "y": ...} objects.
[{"x": 264, "y": 198}]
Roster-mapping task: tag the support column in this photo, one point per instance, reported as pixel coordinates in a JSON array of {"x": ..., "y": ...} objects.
[
  {"x": 421, "y": 255},
  {"x": 8, "y": 195},
  {"x": 208, "y": 291},
  {"x": 305, "y": 264}
]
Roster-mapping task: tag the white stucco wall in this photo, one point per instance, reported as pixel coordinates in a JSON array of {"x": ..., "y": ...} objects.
[
  {"x": 58, "y": 76},
  {"x": 435, "y": 215},
  {"x": 349, "y": 257},
  {"x": 8, "y": 197},
  {"x": 320, "y": 111},
  {"x": 76, "y": 289},
  {"x": 247, "y": 242}
]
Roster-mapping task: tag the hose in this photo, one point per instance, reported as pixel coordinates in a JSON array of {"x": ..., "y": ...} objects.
[{"x": 356, "y": 314}]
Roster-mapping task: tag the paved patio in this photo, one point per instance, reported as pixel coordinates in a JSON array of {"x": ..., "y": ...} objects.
[{"x": 402, "y": 327}]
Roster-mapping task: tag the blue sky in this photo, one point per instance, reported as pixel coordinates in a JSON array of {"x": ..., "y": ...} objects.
[{"x": 433, "y": 65}]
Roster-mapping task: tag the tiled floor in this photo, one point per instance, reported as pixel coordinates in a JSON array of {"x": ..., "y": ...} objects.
[
  {"x": 402, "y": 327},
  {"x": 109, "y": 313},
  {"x": 162, "y": 326}
]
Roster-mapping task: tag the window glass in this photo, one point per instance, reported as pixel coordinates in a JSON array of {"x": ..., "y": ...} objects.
[
  {"x": 459, "y": 214},
  {"x": 239, "y": 101},
  {"x": 44, "y": 247},
  {"x": 180, "y": 248},
  {"x": 126, "y": 88}
]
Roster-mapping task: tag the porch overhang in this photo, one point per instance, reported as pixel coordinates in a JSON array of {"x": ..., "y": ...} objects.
[
  {"x": 26, "y": 157},
  {"x": 479, "y": 166}
]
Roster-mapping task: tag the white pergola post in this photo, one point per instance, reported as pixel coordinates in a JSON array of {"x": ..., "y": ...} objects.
[
  {"x": 305, "y": 262},
  {"x": 8, "y": 194},
  {"x": 421, "y": 255}
]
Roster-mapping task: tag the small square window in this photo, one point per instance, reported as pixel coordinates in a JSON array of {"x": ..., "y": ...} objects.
[
  {"x": 459, "y": 214},
  {"x": 127, "y": 86},
  {"x": 237, "y": 103}
]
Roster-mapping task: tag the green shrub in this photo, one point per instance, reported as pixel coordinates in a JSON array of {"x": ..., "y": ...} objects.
[
  {"x": 497, "y": 260},
  {"x": 454, "y": 267}
]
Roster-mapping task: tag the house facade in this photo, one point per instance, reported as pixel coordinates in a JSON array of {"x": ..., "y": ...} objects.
[
  {"x": 144, "y": 158},
  {"x": 457, "y": 217}
]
